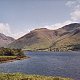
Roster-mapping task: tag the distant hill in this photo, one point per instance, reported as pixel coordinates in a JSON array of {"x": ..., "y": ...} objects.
[
  {"x": 5, "y": 40},
  {"x": 62, "y": 39}
]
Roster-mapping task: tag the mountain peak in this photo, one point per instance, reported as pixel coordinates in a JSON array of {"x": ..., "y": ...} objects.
[
  {"x": 40, "y": 29},
  {"x": 71, "y": 26},
  {"x": 43, "y": 38},
  {"x": 4, "y": 40}
]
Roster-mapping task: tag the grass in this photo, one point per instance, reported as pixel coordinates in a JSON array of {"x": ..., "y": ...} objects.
[
  {"x": 10, "y": 58},
  {"x": 7, "y": 56},
  {"x": 19, "y": 76}
]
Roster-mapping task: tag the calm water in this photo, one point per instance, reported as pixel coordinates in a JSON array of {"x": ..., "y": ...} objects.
[{"x": 47, "y": 63}]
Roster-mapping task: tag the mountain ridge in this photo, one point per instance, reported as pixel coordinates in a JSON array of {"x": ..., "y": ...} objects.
[
  {"x": 44, "y": 39},
  {"x": 5, "y": 40}
]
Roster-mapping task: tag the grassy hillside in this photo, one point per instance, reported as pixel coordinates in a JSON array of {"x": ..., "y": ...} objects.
[
  {"x": 36, "y": 39},
  {"x": 69, "y": 43},
  {"x": 63, "y": 39},
  {"x": 19, "y": 76}
]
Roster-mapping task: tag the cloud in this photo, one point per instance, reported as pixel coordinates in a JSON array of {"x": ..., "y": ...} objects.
[
  {"x": 19, "y": 34},
  {"x": 52, "y": 27},
  {"x": 5, "y": 28},
  {"x": 70, "y": 3},
  {"x": 59, "y": 25},
  {"x": 75, "y": 9},
  {"x": 75, "y": 15}
]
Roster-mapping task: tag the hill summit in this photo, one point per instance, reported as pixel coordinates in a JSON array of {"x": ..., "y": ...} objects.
[
  {"x": 63, "y": 39},
  {"x": 5, "y": 40}
]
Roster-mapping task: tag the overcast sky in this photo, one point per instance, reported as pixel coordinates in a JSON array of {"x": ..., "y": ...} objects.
[{"x": 18, "y": 17}]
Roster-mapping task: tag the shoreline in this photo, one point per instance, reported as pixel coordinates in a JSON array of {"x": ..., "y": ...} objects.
[
  {"x": 22, "y": 76},
  {"x": 13, "y": 59}
]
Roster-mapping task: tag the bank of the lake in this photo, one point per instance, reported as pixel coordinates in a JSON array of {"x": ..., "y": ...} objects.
[
  {"x": 4, "y": 59},
  {"x": 20, "y": 76},
  {"x": 9, "y": 55}
]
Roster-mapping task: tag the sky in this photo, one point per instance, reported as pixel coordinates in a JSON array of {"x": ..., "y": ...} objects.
[{"x": 18, "y": 17}]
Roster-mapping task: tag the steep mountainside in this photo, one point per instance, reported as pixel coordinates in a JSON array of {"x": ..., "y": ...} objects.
[
  {"x": 69, "y": 40},
  {"x": 63, "y": 39},
  {"x": 5, "y": 40},
  {"x": 36, "y": 39}
]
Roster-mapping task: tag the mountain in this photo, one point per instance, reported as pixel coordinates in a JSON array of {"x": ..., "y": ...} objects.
[
  {"x": 62, "y": 39},
  {"x": 69, "y": 38},
  {"x": 36, "y": 39},
  {"x": 5, "y": 40}
]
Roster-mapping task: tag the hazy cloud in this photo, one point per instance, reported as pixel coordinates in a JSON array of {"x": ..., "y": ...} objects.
[
  {"x": 75, "y": 15},
  {"x": 70, "y": 3},
  {"x": 19, "y": 34},
  {"x": 75, "y": 9},
  {"x": 59, "y": 25},
  {"x": 5, "y": 28}
]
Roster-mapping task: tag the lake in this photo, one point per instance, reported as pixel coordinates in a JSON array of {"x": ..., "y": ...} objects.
[{"x": 65, "y": 64}]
